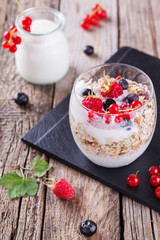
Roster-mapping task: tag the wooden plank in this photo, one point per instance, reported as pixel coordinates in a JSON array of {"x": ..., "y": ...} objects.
[
  {"x": 93, "y": 200},
  {"x": 155, "y": 19},
  {"x": 137, "y": 30},
  {"x": 20, "y": 219}
]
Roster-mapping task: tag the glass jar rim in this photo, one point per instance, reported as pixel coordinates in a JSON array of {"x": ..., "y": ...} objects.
[
  {"x": 46, "y": 9},
  {"x": 111, "y": 64}
]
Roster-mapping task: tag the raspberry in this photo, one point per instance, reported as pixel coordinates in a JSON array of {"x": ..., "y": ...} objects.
[
  {"x": 63, "y": 189},
  {"x": 95, "y": 104},
  {"x": 115, "y": 90}
]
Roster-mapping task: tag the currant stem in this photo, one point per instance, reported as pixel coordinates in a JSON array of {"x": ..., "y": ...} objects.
[
  {"x": 137, "y": 172},
  {"x": 19, "y": 6},
  {"x": 22, "y": 172},
  {"x": 29, "y": 169}
]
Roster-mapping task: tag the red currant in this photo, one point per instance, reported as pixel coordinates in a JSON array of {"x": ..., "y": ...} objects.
[
  {"x": 27, "y": 21},
  {"x": 118, "y": 77},
  {"x": 113, "y": 108},
  {"x": 119, "y": 118},
  {"x": 95, "y": 6},
  {"x": 5, "y": 44},
  {"x": 27, "y": 28},
  {"x": 17, "y": 40},
  {"x": 94, "y": 21},
  {"x": 107, "y": 118},
  {"x": 102, "y": 14},
  {"x": 157, "y": 192},
  {"x": 13, "y": 27},
  {"x": 155, "y": 180},
  {"x": 85, "y": 25},
  {"x": 136, "y": 104},
  {"x": 153, "y": 171},
  {"x": 133, "y": 180},
  {"x": 7, "y": 35},
  {"x": 125, "y": 106},
  {"x": 87, "y": 18},
  {"x": 13, "y": 48}
]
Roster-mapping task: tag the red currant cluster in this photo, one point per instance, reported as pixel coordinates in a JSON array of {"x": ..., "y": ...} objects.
[
  {"x": 12, "y": 39},
  {"x": 125, "y": 111},
  {"x": 93, "y": 18},
  {"x": 154, "y": 171},
  {"x": 26, "y": 23},
  {"x": 155, "y": 179}
]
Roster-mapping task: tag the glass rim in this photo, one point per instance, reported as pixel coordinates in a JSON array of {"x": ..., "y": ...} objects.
[
  {"x": 111, "y": 64},
  {"x": 45, "y": 9}
]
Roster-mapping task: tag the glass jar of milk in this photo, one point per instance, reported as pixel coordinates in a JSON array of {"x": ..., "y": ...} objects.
[{"x": 43, "y": 55}]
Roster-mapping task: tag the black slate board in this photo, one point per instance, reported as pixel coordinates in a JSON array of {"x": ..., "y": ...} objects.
[{"x": 52, "y": 136}]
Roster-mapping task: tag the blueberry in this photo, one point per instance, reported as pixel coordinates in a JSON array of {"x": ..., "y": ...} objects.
[
  {"x": 88, "y": 228},
  {"x": 89, "y": 50},
  {"x": 21, "y": 98},
  {"x": 126, "y": 123},
  {"x": 123, "y": 83},
  {"x": 131, "y": 97},
  {"x": 86, "y": 92},
  {"x": 107, "y": 103}
]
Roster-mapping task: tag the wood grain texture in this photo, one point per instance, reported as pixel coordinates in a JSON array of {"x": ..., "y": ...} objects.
[
  {"x": 19, "y": 219},
  {"x": 139, "y": 30}
]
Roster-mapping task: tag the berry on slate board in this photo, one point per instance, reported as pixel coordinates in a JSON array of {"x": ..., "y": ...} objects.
[
  {"x": 123, "y": 83},
  {"x": 93, "y": 103},
  {"x": 133, "y": 180},
  {"x": 153, "y": 170},
  {"x": 88, "y": 228},
  {"x": 87, "y": 92},
  {"x": 63, "y": 189},
  {"x": 88, "y": 50},
  {"x": 157, "y": 192},
  {"x": 107, "y": 103},
  {"x": 155, "y": 180},
  {"x": 21, "y": 98},
  {"x": 131, "y": 97}
]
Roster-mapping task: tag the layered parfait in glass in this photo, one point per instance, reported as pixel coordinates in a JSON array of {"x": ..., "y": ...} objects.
[{"x": 113, "y": 114}]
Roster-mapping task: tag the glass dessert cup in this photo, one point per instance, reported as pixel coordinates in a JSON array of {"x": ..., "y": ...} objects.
[
  {"x": 110, "y": 143},
  {"x": 43, "y": 55}
]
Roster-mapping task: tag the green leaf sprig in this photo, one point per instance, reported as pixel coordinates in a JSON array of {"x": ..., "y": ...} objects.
[{"x": 18, "y": 186}]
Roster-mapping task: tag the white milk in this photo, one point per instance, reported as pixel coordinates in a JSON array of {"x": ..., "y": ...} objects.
[{"x": 43, "y": 55}]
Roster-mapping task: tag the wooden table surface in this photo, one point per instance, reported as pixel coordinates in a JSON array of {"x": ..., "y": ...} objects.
[{"x": 130, "y": 23}]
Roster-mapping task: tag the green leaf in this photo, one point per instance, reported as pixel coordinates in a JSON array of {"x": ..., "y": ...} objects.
[
  {"x": 40, "y": 166},
  {"x": 18, "y": 186}
]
